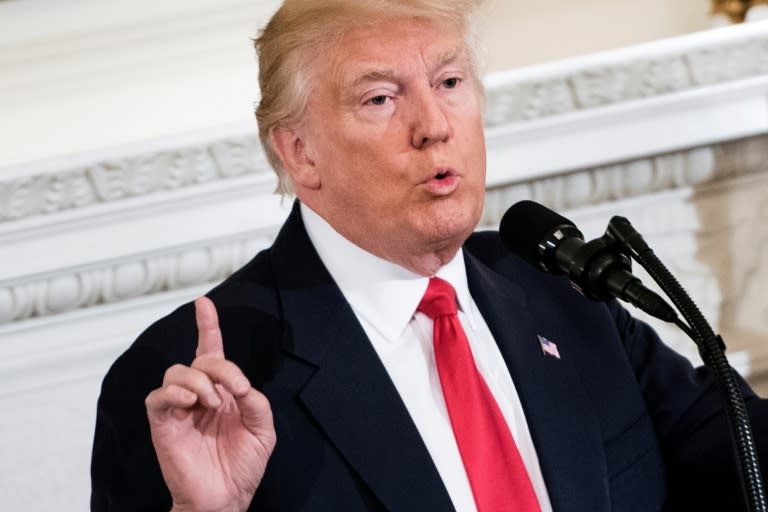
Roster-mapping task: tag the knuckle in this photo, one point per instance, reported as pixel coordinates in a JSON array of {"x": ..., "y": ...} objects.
[
  {"x": 213, "y": 365},
  {"x": 261, "y": 401},
  {"x": 173, "y": 371},
  {"x": 201, "y": 361},
  {"x": 179, "y": 375},
  {"x": 151, "y": 399}
]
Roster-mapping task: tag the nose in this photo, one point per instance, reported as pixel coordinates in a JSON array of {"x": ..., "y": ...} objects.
[{"x": 430, "y": 122}]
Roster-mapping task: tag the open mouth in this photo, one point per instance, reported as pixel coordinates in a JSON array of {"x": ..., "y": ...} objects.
[
  {"x": 444, "y": 182},
  {"x": 443, "y": 174}
]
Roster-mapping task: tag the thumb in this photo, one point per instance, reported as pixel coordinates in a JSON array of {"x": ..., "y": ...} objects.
[{"x": 256, "y": 414}]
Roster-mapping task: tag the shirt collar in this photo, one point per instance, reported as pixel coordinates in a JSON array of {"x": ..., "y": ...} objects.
[{"x": 383, "y": 293}]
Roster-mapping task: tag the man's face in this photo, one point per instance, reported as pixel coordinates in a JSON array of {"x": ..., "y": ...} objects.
[{"x": 394, "y": 132}]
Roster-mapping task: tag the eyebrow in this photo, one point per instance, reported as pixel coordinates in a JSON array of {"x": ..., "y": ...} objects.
[
  {"x": 376, "y": 75},
  {"x": 448, "y": 57},
  {"x": 388, "y": 75}
]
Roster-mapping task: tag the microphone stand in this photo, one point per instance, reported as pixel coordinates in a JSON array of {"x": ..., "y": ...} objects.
[{"x": 712, "y": 351}]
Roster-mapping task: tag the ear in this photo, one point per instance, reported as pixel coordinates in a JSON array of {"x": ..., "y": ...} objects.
[{"x": 291, "y": 147}]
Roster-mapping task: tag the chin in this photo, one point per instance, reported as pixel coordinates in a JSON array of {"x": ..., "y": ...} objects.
[
  {"x": 453, "y": 230},
  {"x": 448, "y": 220}
]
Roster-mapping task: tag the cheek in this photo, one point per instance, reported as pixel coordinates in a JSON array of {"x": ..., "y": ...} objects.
[
  {"x": 369, "y": 179},
  {"x": 474, "y": 153},
  {"x": 468, "y": 120},
  {"x": 385, "y": 168}
]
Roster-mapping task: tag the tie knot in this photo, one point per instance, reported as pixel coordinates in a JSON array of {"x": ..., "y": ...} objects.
[{"x": 439, "y": 299}]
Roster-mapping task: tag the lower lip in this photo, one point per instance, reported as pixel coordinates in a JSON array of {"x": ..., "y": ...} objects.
[{"x": 443, "y": 187}]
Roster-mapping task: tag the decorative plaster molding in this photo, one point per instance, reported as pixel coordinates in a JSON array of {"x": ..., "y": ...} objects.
[
  {"x": 595, "y": 95},
  {"x": 689, "y": 168},
  {"x": 736, "y": 239},
  {"x": 671, "y": 66},
  {"x": 520, "y": 99},
  {"x": 124, "y": 177},
  {"x": 56, "y": 351},
  {"x": 137, "y": 275},
  {"x": 132, "y": 277}
]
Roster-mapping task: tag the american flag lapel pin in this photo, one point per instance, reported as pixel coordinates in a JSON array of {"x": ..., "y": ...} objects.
[{"x": 548, "y": 348}]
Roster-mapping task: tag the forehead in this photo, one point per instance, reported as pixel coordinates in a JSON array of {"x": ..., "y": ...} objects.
[{"x": 393, "y": 48}]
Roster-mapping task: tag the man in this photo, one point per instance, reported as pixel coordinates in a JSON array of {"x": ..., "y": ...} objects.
[{"x": 317, "y": 377}]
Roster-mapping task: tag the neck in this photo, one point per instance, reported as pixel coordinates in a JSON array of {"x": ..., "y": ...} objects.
[
  {"x": 422, "y": 257},
  {"x": 426, "y": 264}
]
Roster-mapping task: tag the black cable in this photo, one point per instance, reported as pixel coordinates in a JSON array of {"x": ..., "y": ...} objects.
[{"x": 684, "y": 327}]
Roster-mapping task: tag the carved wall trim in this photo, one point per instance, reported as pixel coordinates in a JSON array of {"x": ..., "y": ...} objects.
[
  {"x": 141, "y": 174},
  {"x": 636, "y": 73},
  {"x": 607, "y": 118},
  {"x": 623, "y": 180},
  {"x": 175, "y": 268},
  {"x": 522, "y": 101},
  {"x": 131, "y": 277},
  {"x": 47, "y": 353}
]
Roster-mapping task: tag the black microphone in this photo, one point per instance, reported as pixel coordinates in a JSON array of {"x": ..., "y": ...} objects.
[{"x": 598, "y": 268}]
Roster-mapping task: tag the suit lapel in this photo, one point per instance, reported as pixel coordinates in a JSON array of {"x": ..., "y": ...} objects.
[
  {"x": 350, "y": 394},
  {"x": 566, "y": 435}
]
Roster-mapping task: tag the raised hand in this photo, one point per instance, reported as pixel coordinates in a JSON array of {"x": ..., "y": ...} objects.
[{"x": 213, "y": 433}]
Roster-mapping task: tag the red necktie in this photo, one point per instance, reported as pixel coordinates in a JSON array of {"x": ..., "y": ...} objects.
[{"x": 495, "y": 470}]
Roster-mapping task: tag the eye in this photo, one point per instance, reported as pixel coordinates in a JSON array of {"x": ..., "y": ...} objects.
[
  {"x": 381, "y": 99},
  {"x": 451, "y": 83}
]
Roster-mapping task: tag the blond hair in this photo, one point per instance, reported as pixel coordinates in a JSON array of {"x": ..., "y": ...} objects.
[{"x": 302, "y": 28}]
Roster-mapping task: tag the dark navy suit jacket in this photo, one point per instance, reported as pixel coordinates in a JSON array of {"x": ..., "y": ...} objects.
[{"x": 620, "y": 422}]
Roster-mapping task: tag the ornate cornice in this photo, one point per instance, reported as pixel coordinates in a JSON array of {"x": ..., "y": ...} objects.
[
  {"x": 132, "y": 277},
  {"x": 581, "y": 85},
  {"x": 139, "y": 275},
  {"x": 141, "y": 174},
  {"x": 623, "y": 180},
  {"x": 571, "y": 134},
  {"x": 626, "y": 75}
]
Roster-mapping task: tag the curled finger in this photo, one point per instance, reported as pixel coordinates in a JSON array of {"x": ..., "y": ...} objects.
[
  {"x": 194, "y": 380},
  {"x": 224, "y": 372},
  {"x": 167, "y": 397}
]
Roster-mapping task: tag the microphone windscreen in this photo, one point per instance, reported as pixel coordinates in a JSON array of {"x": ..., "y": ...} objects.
[{"x": 525, "y": 225}]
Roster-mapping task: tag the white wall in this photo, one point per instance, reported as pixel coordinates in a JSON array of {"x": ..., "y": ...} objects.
[
  {"x": 522, "y": 32},
  {"x": 86, "y": 74}
]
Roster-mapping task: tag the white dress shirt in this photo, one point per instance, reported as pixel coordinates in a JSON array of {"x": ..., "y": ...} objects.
[{"x": 384, "y": 297}]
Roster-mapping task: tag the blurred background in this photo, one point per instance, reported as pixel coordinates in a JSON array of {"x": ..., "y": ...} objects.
[
  {"x": 87, "y": 74},
  {"x": 131, "y": 179}
]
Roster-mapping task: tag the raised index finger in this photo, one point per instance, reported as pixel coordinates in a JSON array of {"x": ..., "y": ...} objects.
[{"x": 208, "y": 333}]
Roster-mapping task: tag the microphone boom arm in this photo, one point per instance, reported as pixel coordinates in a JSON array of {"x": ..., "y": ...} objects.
[{"x": 712, "y": 351}]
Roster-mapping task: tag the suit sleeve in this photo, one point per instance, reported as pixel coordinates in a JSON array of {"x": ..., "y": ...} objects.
[
  {"x": 125, "y": 473},
  {"x": 686, "y": 407}
]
